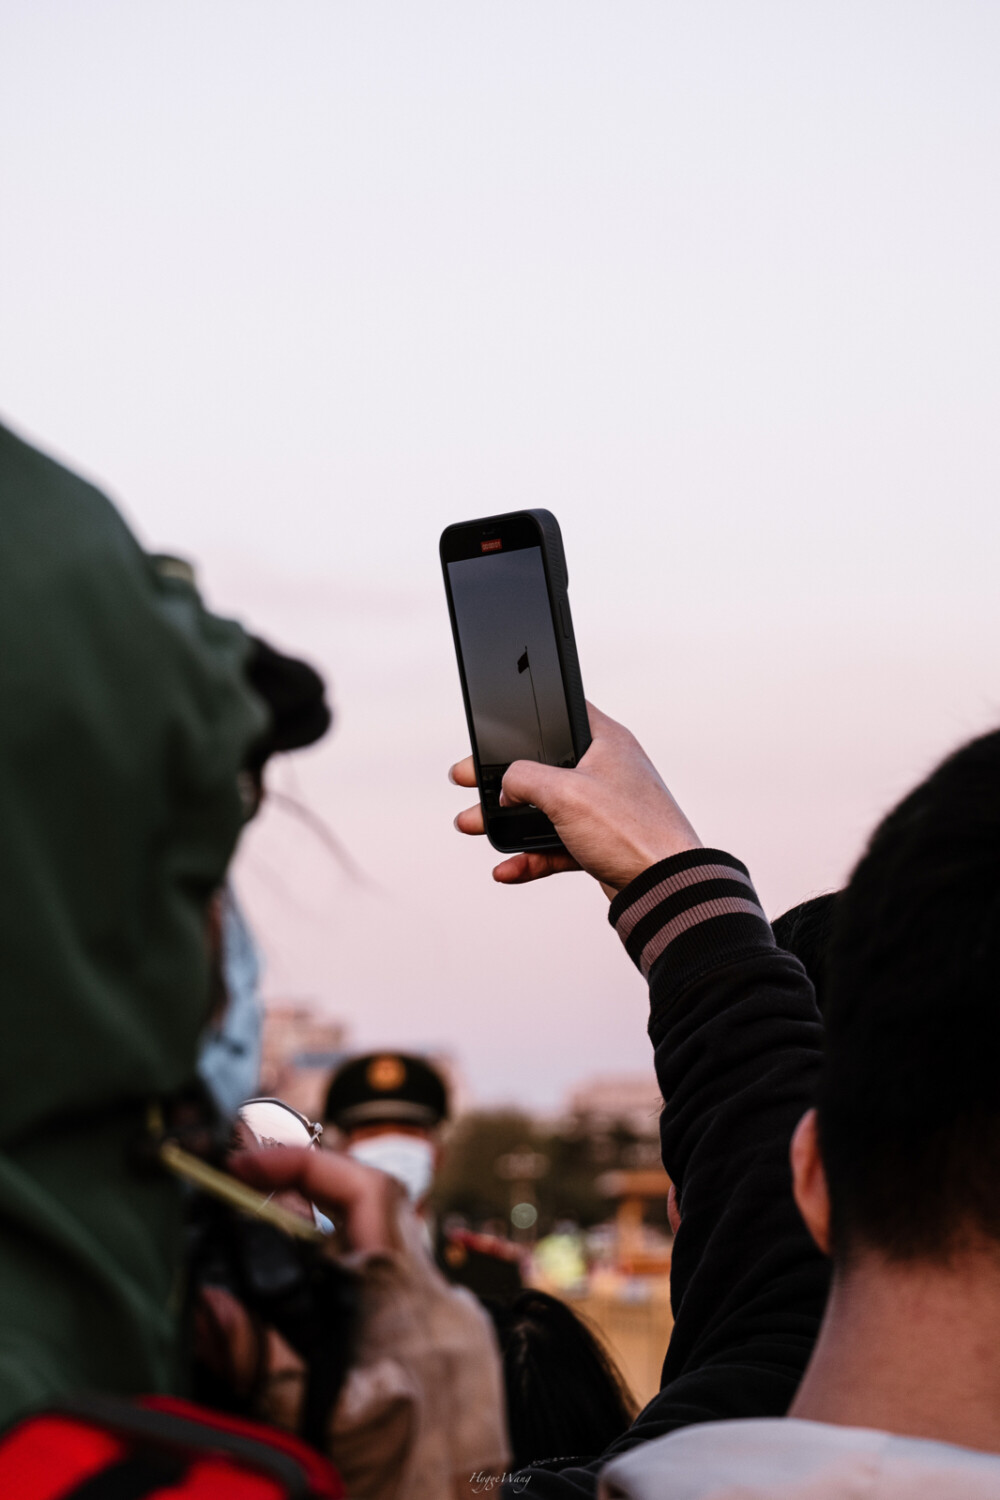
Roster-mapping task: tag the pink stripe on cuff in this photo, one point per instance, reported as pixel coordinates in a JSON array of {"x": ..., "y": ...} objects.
[
  {"x": 698, "y": 873},
  {"x": 722, "y": 906}
]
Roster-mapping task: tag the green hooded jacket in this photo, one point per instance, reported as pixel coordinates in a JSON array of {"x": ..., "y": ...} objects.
[{"x": 124, "y": 722}]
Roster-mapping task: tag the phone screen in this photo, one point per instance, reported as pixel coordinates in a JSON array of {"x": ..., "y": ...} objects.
[{"x": 512, "y": 670}]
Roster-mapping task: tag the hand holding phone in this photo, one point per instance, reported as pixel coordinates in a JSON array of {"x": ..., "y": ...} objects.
[
  {"x": 505, "y": 579},
  {"x": 614, "y": 815}
]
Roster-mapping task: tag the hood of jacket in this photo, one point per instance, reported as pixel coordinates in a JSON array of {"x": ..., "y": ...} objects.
[
  {"x": 124, "y": 722},
  {"x": 791, "y": 1460}
]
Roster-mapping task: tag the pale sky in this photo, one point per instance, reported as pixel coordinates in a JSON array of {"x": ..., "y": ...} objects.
[{"x": 301, "y": 283}]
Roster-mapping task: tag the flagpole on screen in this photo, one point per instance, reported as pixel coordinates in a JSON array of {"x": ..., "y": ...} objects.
[{"x": 531, "y": 678}]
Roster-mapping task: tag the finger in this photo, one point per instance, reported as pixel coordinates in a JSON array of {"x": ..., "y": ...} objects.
[
  {"x": 364, "y": 1197},
  {"x": 463, "y": 772},
  {"x": 602, "y": 726},
  {"x": 324, "y": 1177},
  {"x": 522, "y": 868},
  {"x": 598, "y": 720},
  {"x": 531, "y": 781},
  {"x": 373, "y": 1219},
  {"x": 271, "y": 1169},
  {"x": 370, "y": 1198},
  {"x": 470, "y": 820}
]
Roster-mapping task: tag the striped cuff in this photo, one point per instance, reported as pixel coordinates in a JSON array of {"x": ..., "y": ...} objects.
[{"x": 698, "y": 908}]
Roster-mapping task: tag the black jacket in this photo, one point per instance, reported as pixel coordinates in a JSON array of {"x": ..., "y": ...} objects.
[{"x": 736, "y": 1037}]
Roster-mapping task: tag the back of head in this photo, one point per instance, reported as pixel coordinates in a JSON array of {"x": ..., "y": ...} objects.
[
  {"x": 565, "y": 1398},
  {"x": 910, "y": 1092},
  {"x": 805, "y": 931}
]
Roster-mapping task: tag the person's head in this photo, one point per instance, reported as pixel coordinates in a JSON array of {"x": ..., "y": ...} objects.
[
  {"x": 805, "y": 931},
  {"x": 295, "y": 695},
  {"x": 565, "y": 1397},
  {"x": 903, "y": 1157},
  {"x": 388, "y": 1108}
]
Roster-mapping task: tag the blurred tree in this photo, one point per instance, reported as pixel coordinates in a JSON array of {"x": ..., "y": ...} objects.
[
  {"x": 467, "y": 1181},
  {"x": 476, "y": 1178}
]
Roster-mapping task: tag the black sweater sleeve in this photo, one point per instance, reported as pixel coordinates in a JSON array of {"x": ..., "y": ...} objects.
[{"x": 736, "y": 1037}]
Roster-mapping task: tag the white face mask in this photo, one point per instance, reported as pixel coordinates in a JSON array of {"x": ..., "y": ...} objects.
[{"x": 408, "y": 1158}]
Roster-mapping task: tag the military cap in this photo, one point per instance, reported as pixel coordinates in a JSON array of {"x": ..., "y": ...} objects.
[{"x": 386, "y": 1088}]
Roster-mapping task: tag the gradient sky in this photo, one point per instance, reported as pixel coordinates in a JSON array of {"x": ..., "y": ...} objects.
[{"x": 302, "y": 283}]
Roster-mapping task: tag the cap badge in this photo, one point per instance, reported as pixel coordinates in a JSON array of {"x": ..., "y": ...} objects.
[{"x": 385, "y": 1073}]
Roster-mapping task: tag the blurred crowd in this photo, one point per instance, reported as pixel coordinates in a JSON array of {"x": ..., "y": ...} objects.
[{"x": 205, "y": 1292}]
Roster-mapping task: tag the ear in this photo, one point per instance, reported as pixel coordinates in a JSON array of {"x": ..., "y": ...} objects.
[{"x": 809, "y": 1180}]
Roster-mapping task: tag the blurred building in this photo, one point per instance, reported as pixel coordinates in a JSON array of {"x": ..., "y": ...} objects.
[
  {"x": 300, "y": 1050},
  {"x": 623, "y": 1106}
]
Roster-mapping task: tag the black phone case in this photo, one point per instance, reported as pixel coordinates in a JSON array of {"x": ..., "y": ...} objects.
[{"x": 557, "y": 579}]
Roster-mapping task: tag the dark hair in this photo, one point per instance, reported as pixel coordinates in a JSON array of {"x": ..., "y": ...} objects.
[
  {"x": 565, "y": 1396},
  {"x": 909, "y": 1104},
  {"x": 295, "y": 693},
  {"x": 805, "y": 931}
]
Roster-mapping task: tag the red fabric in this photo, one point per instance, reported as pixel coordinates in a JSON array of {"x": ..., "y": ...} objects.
[
  {"x": 49, "y": 1455},
  {"x": 322, "y": 1475}
]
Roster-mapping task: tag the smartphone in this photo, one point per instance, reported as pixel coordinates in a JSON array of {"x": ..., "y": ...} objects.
[{"x": 505, "y": 578}]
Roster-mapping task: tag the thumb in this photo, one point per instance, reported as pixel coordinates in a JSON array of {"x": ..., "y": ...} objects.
[
  {"x": 271, "y": 1167},
  {"x": 530, "y": 781}
]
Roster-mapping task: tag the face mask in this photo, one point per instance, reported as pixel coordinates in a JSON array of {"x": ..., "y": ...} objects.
[
  {"x": 408, "y": 1158},
  {"x": 229, "y": 1061}
]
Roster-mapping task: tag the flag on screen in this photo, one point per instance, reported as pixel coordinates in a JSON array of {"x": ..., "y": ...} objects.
[{"x": 522, "y": 661}]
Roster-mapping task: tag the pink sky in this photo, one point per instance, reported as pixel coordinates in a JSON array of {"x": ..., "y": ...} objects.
[{"x": 300, "y": 285}]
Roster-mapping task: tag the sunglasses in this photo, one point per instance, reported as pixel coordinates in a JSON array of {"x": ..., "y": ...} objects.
[{"x": 272, "y": 1122}]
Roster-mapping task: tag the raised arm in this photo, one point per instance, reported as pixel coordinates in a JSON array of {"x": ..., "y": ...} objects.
[{"x": 736, "y": 1039}]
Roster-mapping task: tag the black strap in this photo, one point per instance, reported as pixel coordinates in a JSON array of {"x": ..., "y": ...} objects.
[
  {"x": 134, "y": 1478},
  {"x": 186, "y": 1435}
]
